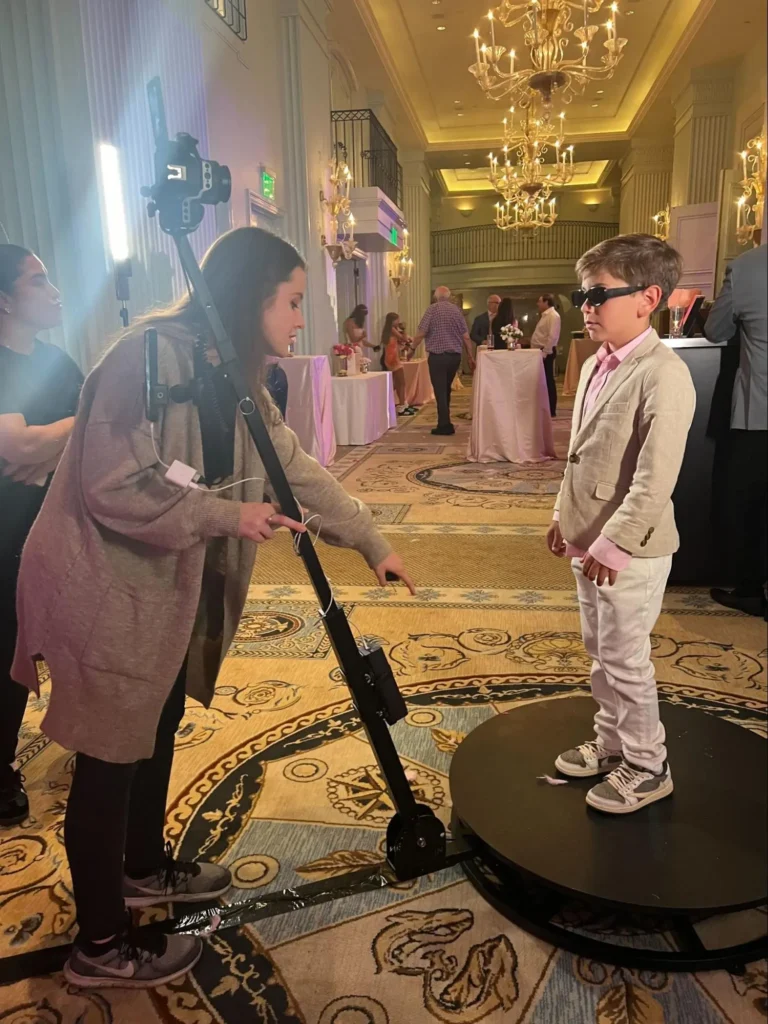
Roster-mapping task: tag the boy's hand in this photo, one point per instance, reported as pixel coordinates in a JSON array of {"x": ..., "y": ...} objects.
[
  {"x": 597, "y": 572},
  {"x": 555, "y": 541}
]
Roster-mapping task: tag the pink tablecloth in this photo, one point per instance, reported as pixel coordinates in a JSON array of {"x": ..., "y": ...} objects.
[
  {"x": 418, "y": 387},
  {"x": 510, "y": 408},
  {"x": 310, "y": 405},
  {"x": 363, "y": 407},
  {"x": 579, "y": 352}
]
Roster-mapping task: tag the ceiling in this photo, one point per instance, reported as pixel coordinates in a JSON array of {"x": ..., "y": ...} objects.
[
  {"x": 457, "y": 125},
  {"x": 451, "y": 109}
]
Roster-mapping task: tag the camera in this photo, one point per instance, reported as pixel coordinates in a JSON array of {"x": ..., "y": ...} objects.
[{"x": 185, "y": 182}]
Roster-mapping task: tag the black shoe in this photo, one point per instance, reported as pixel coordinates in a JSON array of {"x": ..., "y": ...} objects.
[
  {"x": 740, "y": 601},
  {"x": 445, "y": 431},
  {"x": 14, "y": 805}
]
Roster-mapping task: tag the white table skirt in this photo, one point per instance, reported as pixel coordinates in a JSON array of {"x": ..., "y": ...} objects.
[
  {"x": 363, "y": 407},
  {"x": 510, "y": 408},
  {"x": 310, "y": 405}
]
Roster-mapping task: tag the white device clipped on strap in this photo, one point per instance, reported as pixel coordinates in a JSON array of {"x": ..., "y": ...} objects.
[{"x": 182, "y": 475}]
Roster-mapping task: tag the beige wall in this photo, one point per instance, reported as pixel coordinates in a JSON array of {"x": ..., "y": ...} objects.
[
  {"x": 571, "y": 204},
  {"x": 243, "y": 99}
]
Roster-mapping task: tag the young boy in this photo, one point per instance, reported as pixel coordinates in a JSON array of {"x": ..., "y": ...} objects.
[{"x": 614, "y": 516}]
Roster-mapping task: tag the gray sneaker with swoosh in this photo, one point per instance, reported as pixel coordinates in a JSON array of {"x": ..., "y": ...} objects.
[
  {"x": 133, "y": 960},
  {"x": 178, "y": 881}
]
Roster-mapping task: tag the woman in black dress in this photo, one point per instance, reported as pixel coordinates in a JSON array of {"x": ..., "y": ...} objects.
[
  {"x": 504, "y": 318},
  {"x": 39, "y": 389}
]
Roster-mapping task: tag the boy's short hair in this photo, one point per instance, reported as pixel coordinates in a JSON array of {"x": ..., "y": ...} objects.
[
  {"x": 637, "y": 259},
  {"x": 549, "y": 298}
]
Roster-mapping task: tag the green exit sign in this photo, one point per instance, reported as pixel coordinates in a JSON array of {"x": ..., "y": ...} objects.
[
  {"x": 393, "y": 234},
  {"x": 268, "y": 182}
]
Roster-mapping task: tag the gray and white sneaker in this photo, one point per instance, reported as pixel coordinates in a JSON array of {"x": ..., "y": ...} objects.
[
  {"x": 591, "y": 758},
  {"x": 629, "y": 788},
  {"x": 133, "y": 960},
  {"x": 177, "y": 881}
]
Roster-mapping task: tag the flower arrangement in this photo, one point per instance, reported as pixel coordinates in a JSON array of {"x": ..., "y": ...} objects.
[
  {"x": 511, "y": 333},
  {"x": 363, "y": 364},
  {"x": 342, "y": 352}
]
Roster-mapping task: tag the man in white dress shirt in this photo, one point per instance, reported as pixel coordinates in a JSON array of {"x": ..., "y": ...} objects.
[{"x": 546, "y": 336}]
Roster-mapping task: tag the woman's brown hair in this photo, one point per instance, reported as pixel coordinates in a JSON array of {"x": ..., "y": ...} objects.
[{"x": 243, "y": 270}]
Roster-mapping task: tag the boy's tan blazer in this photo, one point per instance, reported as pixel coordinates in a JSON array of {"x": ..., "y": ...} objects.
[{"x": 626, "y": 452}]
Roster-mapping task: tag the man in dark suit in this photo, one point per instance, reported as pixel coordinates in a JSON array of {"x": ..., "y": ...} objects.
[
  {"x": 481, "y": 328},
  {"x": 741, "y": 305}
]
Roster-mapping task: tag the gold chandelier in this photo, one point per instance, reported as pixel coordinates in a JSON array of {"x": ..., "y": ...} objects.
[
  {"x": 339, "y": 208},
  {"x": 526, "y": 212},
  {"x": 531, "y": 140},
  {"x": 751, "y": 203},
  {"x": 401, "y": 264},
  {"x": 661, "y": 224},
  {"x": 548, "y": 25}
]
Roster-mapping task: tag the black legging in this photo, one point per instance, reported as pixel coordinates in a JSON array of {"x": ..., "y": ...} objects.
[
  {"x": 13, "y": 697},
  {"x": 114, "y": 824}
]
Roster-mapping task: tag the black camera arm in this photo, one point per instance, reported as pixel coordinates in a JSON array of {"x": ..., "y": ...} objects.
[{"x": 416, "y": 839}]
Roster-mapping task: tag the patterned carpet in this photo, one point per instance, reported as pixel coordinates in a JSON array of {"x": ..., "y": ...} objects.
[{"x": 277, "y": 781}]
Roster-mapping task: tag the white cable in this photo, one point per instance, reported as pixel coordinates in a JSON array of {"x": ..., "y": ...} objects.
[
  {"x": 225, "y": 487},
  {"x": 248, "y": 479},
  {"x": 154, "y": 445}
]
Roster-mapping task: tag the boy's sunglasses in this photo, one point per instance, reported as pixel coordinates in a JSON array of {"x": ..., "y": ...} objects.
[{"x": 599, "y": 294}]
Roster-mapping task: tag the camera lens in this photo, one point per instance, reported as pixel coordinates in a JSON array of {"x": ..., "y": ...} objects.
[{"x": 220, "y": 183}]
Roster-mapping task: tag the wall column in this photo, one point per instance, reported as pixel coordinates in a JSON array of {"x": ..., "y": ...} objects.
[
  {"x": 380, "y": 297},
  {"x": 646, "y": 177},
  {"x": 703, "y": 135},
  {"x": 415, "y": 296},
  {"x": 307, "y": 120}
]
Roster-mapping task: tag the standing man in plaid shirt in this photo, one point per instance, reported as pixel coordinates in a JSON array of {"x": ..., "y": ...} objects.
[{"x": 444, "y": 330}]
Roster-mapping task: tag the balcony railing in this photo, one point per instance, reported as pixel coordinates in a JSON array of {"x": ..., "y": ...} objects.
[
  {"x": 484, "y": 243},
  {"x": 369, "y": 152}
]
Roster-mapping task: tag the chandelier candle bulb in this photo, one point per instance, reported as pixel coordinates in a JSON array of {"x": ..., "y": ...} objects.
[
  {"x": 476, "y": 35},
  {"x": 493, "y": 33}
]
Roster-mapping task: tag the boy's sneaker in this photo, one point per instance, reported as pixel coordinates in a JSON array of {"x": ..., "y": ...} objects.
[
  {"x": 14, "y": 805},
  {"x": 177, "y": 881},
  {"x": 628, "y": 789},
  {"x": 590, "y": 758},
  {"x": 132, "y": 960}
]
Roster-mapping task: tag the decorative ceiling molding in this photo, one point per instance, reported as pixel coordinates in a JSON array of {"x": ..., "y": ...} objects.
[
  {"x": 660, "y": 81},
  {"x": 373, "y": 30},
  {"x": 474, "y": 181}
]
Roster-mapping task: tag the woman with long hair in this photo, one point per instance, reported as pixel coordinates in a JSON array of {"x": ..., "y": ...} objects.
[
  {"x": 354, "y": 329},
  {"x": 39, "y": 388},
  {"x": 132, "y": 586},
  {"x": 392, "y": 337},
  {"x": 504, "y": 317}
]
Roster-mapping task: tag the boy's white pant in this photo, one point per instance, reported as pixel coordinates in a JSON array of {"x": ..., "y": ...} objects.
[{"x": 616, "y": 623}]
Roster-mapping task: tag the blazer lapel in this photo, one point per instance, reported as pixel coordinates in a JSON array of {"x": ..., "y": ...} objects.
[{"x": 623, "y": 372}]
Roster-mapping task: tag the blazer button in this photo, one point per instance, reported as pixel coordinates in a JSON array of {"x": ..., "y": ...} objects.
[
  {"x": 643, "y": 542},
  {"x": 574, "y": 458},
  {"x": 650, "y": 530}
]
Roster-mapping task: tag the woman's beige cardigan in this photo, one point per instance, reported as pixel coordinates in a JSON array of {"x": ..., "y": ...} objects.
[{"x": 111, "y": 574}]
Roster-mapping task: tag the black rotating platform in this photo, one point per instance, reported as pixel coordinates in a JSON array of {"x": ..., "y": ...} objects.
[{"x": 551, "y": 864}]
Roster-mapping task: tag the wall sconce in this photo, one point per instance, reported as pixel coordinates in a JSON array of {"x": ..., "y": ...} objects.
[
  {"x": 661, "y": 224},
  {"x": 338, "y": 206},
  {"x": 466, "y": 213},
  {"x": 401, "y": 264},
  {"x": 592, "y": 207}
]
